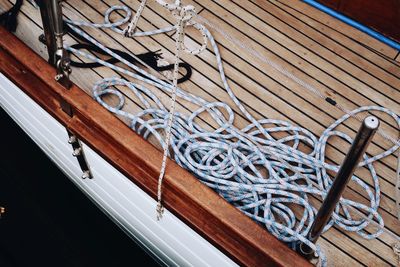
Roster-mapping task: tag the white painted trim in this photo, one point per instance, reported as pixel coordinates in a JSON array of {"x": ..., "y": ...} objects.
[{"x": 170, "y": 240}]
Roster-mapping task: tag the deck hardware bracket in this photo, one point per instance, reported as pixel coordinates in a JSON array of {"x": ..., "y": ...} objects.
[
  {"x": 48, "y": 29},
  {"x": 72, "y": 139},
  {"x": 363, "y": 138},
  {"x": 52, "y": 19},
  {"x": 63, "y": 61},
  {"x": 77, "y": 152},
  {"x": 63, "y": 65},
  {"x": 80, "y": 155},
  {"x": 86, "y": 175},
  {"x": 63, "y": 68}
]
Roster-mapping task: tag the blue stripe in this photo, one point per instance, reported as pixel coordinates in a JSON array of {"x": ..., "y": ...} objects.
[{"x": 354, "y": 24}]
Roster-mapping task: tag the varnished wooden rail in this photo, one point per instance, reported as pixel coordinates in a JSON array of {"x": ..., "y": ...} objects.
[{"x": 194, "y": 203}]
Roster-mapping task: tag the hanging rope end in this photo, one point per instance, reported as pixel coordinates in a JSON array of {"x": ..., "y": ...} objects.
[{"x": 160, "y": 211}]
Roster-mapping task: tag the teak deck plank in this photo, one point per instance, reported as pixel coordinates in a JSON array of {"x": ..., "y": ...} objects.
[
  {"x": 329, "y": 49},
  {"x": 354, "y": 34},
  {"x": 278, "y": 59},
  {"x": 341, "y": 62},
  {"x": 334, "y": 30},
  {"x": 310, "y": 69},
  {"x": 309, "y": 50},
  {"x": 257, "y": 76}
]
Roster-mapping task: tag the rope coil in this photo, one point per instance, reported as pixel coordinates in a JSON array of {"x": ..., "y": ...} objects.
[{"x": 262, "y": 175}]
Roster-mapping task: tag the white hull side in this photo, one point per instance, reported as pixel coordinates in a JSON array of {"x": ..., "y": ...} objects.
[{"x": 170, "y": 240}]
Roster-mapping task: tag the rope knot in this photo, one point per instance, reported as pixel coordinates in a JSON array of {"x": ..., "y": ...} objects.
[
  {"x": 185, "y": 16},
  {"x": 187, "y": 13}
]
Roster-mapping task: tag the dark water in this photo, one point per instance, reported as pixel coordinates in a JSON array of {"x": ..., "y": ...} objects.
[{"x": 48, "y": 221}]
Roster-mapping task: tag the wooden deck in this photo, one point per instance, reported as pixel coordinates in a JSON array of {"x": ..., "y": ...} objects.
[{"x": 343, "y": 63}]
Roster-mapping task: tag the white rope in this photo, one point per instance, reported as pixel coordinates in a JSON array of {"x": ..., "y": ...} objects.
[
  {"x": 133, "y": 24},
  {"x": 186, "y": 14},
  {"x": 261, "y": 175}
]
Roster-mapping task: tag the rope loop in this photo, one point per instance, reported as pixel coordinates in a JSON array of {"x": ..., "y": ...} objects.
[
  {"x": 185, "y": 15},
  {"x": 107, "y": 22}
]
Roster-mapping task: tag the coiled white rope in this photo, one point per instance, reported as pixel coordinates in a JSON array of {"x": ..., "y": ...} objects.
[{"x": 261, "y": 175}]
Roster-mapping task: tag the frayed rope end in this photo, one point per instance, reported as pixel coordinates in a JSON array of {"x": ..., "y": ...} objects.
[{"x": 160, "y": 211}]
